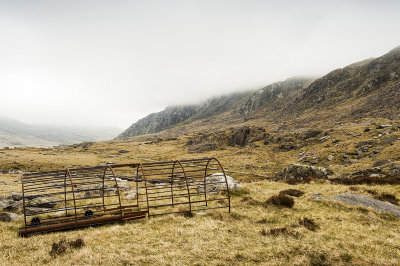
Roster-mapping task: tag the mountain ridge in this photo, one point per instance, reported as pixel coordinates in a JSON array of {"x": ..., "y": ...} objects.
[{"x": 366, "y": 88}]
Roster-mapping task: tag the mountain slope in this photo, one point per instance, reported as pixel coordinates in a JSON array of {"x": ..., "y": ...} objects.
[
  {"x": 175, "y": 115},
  {"x": 370, "y": 88},
  {"x": 159, "y": 121},
  {"x": 356, "y": 81},
  {"x": 270, "y": 95}
]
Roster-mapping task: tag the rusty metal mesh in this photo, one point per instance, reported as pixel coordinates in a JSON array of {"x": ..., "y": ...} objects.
[{"x": 73, "y": 198}]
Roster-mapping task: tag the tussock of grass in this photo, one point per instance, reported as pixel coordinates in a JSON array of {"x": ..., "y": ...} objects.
[
  {"x": 251, "y": 201},
  {"x": 308, "y": 223},
  {"x": 280, "y": 231},
  {"x": 280, "y": 200},
  {"x": 292, "y": 192},
  {"x": 61, "y": 247},
  {"x": 388, "y": 197}
]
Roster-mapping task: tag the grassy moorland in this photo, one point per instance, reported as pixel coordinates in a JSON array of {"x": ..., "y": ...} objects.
[
  {"x": 251, "y": 233},
  {"x": 254, "y": 232}
]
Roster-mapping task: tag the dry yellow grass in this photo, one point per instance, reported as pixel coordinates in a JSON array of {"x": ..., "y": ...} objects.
[{"x": 347, "y": 235}]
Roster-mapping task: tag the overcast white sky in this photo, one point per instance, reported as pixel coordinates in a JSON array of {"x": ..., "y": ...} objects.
[{"x": 113, "y": 62}]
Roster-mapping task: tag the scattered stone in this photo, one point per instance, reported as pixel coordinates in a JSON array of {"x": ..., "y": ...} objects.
[
  {"x": 287, "y": 147},
  {"x": 364, "y": 201},
  {"x": 131, "y": 195},
  {"x": 390, "y": 140},
  {"x": 302, "y": 172},
  {"x": 8, "y": 216},
  {"x": 352, "y": 161},
  {"x": 161, "y": 185},
  {"x": 17, "y": 196},
  {"x": 335, "y": 141},
  {"x": 84, "y": 145},
  {"x": 362, "y": 149},
  {"x": 368, "y": 143},
  {"x": 97, "y": 189},
  {"x": 202, "y": 147},
  {"x": 42, "y": 202},
  {"x": 381, "y": 162},
  {"x": 317, "y": 197},
  {"x": 368, "y": 172},
  {"x": 216, "y": 182},
  {"x": 395, "y": 170},
  {"x": 310, "y": 134},
  {"x": 36, "y": 210},
  {"x": 376, "y": 175},
  {"x": 4, "y": 183},
  {"x": 9, "y": 204},
  {"x": 330, "y": 157},
  {"x": 123, "y": 151},
  {"x": 123, "y": 186},
  {"x": 308, "y": 157}
]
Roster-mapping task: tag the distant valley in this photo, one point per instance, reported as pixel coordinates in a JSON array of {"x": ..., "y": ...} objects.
[{"x": 14, "y": 133}]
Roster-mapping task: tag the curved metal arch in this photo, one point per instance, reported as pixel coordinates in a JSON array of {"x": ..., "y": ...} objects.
[
  {"x": 145, "y": 185},
  {"x": 116, "y": 185},
  {"x": 65, "y": 194},
  {"x": 226, "y": 181},
  {"x": 172, "y": 183},
  {"x": 137, "y": 186},
  {"x": 23, "y": 202},
  {"x": 187, "y": 184},
  {"x": 73, "y": 196}
]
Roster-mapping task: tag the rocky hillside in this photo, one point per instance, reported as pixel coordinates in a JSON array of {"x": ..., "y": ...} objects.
[
  {"x": 14, "y": 133},
  {"x": 177, "y": 115},
  {"x": 271, "y": 95},
  {"x": 370, "y": 88},
  {"x": 373, "y": 84}
]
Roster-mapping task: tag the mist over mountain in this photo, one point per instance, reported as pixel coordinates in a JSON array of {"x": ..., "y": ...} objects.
[
  {"x": 14, "y": 133},
  {"x": 362, "y": 89}
]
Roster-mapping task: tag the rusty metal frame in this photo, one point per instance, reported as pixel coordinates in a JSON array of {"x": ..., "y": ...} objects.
[{"x": 161, "y": 188}]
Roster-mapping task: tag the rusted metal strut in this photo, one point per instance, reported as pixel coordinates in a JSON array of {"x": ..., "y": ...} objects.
[{"x": 73, "y": 198}]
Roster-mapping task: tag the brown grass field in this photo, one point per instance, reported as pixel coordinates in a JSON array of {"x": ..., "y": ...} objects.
[{"x": 253, "y": 233}]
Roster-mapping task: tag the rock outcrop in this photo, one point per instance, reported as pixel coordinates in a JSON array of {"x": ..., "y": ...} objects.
[
  {"x": 216, "y": 182},
  {"x": 364, "y": 201},
  {"x": 271, "y": 94},
  {"x": 302, "y": 172},
  {"x": 9, "y": 216},
  {"x": 245, "y": 135}
]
